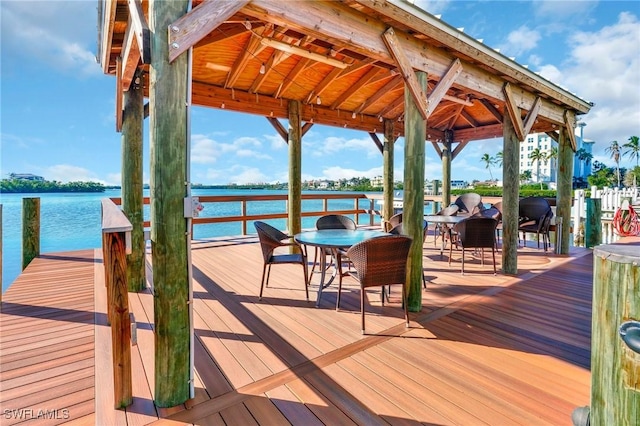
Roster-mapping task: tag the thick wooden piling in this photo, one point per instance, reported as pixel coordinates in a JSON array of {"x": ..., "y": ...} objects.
[
  {"x": 30, "y": 230},
  {"x": 593, "y": 223},
  {"x": 615, "y": 367}
]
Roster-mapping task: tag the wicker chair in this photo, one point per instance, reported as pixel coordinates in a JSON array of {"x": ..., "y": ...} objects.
[
  {"x": 495, "y": 212},
  {"x": 393, "y": 221},
  {"x": 442, "y": 228},
  {"x": 379, "y": 262},
  {"x": 397, "y": 230},
  {"x": 469, "y": 203},
  {"x": 476, "y": 232},
  {"x": 535, "y": 218},
  {"x": 333, "y": 221},
  {"x": 270, "y": 239}
]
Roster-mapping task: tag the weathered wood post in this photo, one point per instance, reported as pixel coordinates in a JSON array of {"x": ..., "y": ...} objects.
[
  {"x": 30, "y": 230},
  {"x": 510, "y": 196},
  {"x": 593, "y": 223},
  {"x": 168, "y": 112},
  {"x": 295, "y": 169},
  {"x": 387, "y": 171},
  {"x": 132, "y": 185},
  {"x": 115, "y": 228},
  {"x": 446, "y": 173},
  {"x": 413, "y": 200},
  {"x": 615, "y": 367},
  {"x": 565, "y": 189}
]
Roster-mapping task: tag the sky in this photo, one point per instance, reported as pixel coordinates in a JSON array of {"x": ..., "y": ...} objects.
[{"x": 57, "y": 107}]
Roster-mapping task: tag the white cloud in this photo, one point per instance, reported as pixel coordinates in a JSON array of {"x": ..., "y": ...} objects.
[
  {"x": 69, "y": 173},
  {"x": 520, "y": 41}
]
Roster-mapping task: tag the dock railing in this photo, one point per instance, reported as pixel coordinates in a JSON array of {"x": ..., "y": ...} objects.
[
  {"x": 610, "y": 200},
  {"x": 116, "y": 244},
  {"x": 363, "y": 204}
]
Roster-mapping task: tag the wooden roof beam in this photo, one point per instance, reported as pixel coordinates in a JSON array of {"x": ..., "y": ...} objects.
[
  {"x": 514, "y": 112},
  {"x": 363, "y": 81},
  {"x": 130, "y": 58},
  {"x": 443, "y": 85},
  {"x": 391, "y": 85},
  {"x": 492, "y": 110},
  {"x": 193, "y": 26},
  {"x": 221, "y": 35},
  {"x": 570, "y": 123},
  {"x": 302, "y": 64},
  {"x": 532, "y": 116},
  {"x": 362, "y": 35},
  {"x": 250, "y": 51},
  {"x": 409, "y": 76},
  {"x": 141, "y": 30}
]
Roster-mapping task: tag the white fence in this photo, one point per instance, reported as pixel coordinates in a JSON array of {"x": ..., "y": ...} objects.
[{"x": 611, "y": 199}]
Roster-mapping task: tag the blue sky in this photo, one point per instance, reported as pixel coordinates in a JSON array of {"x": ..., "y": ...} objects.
[{"x": 57, "y": 107}]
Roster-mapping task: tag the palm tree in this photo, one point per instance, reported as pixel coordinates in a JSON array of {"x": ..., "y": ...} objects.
[
  {"x": 537, "y": 155},
  {"x": 525, "y": 176},
  {"x": 633, "y": 150},
  {"x": 583, "y": 156},
  {"x": 614, "y": 149},
  {"x": 488, "y": 160},
  {"x": 499, "y": 158},
  {"x": 553, "y": 156}
]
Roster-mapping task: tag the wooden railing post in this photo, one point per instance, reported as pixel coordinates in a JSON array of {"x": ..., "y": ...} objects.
[
  {"x": 116, "y": 239},
  {"x": 30, "y": 230}
]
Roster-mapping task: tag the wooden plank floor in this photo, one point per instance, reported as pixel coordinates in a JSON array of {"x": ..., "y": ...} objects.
[{"x": 484, "y": 349}]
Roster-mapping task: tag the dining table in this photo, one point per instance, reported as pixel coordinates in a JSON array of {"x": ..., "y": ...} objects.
[
  {"x": 447, "y": 220},
  {"x": 333, "y": 240}
]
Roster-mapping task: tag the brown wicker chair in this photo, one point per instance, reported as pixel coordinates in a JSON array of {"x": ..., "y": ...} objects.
[
  {"x": 443, "y": 228},
  {"x": 535, "y": 218},
  {"x": 333, "y": 221},
  {"x": 272, "y": 238},
  {"x": 475, "y": 232},
  {"x": 379, "y": 262},
  {"x": 469, "y": 203},
  {"x": 393, "y": 221}
]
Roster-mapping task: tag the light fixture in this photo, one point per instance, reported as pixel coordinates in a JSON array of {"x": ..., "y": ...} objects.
[
  {"x": 380, "y": 119},
  {"x": 263, "y": 68},
  {"x": 333, "y": 52},
  {"x": 247, "y": 24},
  {"x": 353, "y": 115},
  {"x": 318, "y": 100},
  {"x": 295, "y": 50},
  {"x": 223, "y": 105}
]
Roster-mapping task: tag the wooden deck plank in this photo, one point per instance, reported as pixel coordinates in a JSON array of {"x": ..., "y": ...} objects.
[{"x": 484, "y": 349}]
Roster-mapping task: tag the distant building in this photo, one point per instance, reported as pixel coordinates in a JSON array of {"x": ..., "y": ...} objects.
[
  {"x": 26, "y": 176},
  {"x": 377, "y": 181}
]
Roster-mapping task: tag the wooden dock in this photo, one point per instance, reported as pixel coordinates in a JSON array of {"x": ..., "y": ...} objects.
[{"x": 484, "y": 349}]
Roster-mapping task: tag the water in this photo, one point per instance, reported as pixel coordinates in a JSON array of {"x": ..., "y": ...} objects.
[{"x": 72, "y": 221}]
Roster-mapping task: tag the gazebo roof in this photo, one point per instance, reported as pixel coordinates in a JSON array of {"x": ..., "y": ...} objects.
[{"x": 348, "y": 63}]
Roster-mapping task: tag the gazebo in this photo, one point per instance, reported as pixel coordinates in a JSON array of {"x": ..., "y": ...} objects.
[{"x": 383, "y": 67}]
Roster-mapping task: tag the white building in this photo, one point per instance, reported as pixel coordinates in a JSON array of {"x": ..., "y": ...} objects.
[{"x": 544, "y": 170}]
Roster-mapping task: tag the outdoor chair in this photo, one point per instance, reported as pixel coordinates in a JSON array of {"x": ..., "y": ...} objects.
[
  {"x": 271, "y": 239},
  {"x": 476, "y": 232},
  {"x": 379, "y": 262},
  {"x": 333, "y": 221},
  {"x": 469, "y": 203},
  {"x": 443, "y": 228},
  {"x": 495, "y": 212},
  {"x": 398, "y": 230},
  {"x": 535, "y": 217},
  {"x": 393, "y": 221}
]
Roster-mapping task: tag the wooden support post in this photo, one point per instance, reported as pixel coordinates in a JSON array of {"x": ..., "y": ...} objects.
[
  {"x": 30, "y": 230},
  {"x": 510, "y": 196},
  {"x": 446, "y": 169},
  {"x": 565, "y": 189},
  {"x": 118, "y": 304},
  {"x": 168, "y": 153},
  {"x": 615, "y": 367},
  {"x": 593, "y": 223},
  {"x": 295, "y": 169},
  {"x": 413, "y": 201},
  {"x": 132, "y": 186},
  {"x": 387, "y": 170}
]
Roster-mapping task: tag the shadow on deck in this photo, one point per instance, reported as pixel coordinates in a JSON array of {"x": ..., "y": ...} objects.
[{"x": 484, "y": 349}]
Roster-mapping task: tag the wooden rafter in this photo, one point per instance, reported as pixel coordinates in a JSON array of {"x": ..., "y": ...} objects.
[
  {"x": 322, "y": 86},
  {"x": 302, "y": 64},
  {"x": 279, "y": 128},
  {"x": 130, "y": 59},
  {"x": 397, "y": 103},
  {"x": 396, "y": 51},
  {"x": 192, "y": 27},
  {"x": 119, "y": 99},
  {"x": 570, "y": 124},
  {"x": 363, "y": 81},
  {"x": 492, "y": 110},
  {"x": 532, "y": 116},
  {"x": 394, "y": 84},
  {"x": 469, "y": 119},
  {"x": 138, "y": 22},
  {"x": 250, "y": 51},
  {"x": 108, "y": 13},
  {"x": 446, "y": 81},
  {"x": 455, "y": 116},
  {"x": 514, "y": 112},
  {"x": 376, "y": 140},
  {"x": 219, "y": 35}
]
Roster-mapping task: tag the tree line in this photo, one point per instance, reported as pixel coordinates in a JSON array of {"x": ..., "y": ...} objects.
[{"x": 35, "y": 186}]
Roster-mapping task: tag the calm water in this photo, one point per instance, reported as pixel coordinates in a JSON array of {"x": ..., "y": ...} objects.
[{"x": 72, "y": 221}]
